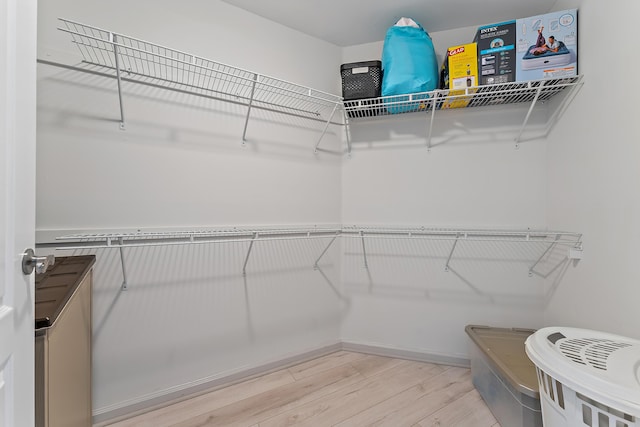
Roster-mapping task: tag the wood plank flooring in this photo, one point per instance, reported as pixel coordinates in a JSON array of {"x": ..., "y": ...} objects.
[{"x": 339, "y": 389}]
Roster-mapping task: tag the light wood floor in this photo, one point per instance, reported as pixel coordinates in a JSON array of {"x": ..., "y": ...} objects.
[{"x": 340, "y": 389}]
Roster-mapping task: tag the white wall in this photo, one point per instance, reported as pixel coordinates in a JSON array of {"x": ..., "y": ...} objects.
[
  {"x": 189, "y": 315},
  {"x": 473, "y": 177},
  {"x": 593, "y": 174}
]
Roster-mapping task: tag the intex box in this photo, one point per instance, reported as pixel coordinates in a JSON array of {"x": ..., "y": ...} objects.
[
  {"x": 534, "y": 48},
  {"x": 496, "y": 52},
  {"x": 547, "y": 46},
  {"x": 461, "y": 65}
]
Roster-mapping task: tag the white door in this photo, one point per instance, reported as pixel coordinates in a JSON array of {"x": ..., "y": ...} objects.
[{"x": 18, "y": 20}]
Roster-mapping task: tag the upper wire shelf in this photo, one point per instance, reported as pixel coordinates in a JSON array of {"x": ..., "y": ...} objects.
[
  {"x": 478, "y": 96},
  {"x": 132, "y": 59},
  {"x": 531, "y": 92}
]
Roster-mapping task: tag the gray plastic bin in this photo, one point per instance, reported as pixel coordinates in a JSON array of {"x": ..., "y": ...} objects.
[{"x": 504, "y": 376}]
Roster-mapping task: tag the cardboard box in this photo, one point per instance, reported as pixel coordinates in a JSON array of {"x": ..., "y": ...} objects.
[
  {"x": 496, "y": 52},
  {"x": 463, "y": 66},
  {"x": 461, "y": 73},
  {"x": 541, "y": 62},
  {"x": 533, "y": 48}
]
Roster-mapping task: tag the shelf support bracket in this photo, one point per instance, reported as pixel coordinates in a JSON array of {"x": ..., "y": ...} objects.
[
  {"x": 551, "y": 246},
  {"x": 526, "y": 119},
  {"x": 315, "y": 265},
  {"x": 433, "y": 115},
  {"x": 124, "y": 286},
  {"x": 453, "y": 248},
  {"x": 326, "y": 126},
  {"x": 246, "y": 260},
  {"x": 563, "y": 106},
  {"x": 364, "y": 250},
  {"x": 544, "y": 276},
  {"x": 114, "y": 40},
  {"x": 246, "y": 120},
  {"x": 347, "y": 131}
]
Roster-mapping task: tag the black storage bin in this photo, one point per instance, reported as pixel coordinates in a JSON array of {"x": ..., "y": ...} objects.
[{"x": 362, "y": 80}]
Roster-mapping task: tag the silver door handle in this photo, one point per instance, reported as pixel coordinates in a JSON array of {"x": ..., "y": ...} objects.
[{"x": 40, "y": 263}]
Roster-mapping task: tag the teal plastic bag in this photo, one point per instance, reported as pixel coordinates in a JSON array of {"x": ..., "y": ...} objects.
[{"x": 409, "y": 65}]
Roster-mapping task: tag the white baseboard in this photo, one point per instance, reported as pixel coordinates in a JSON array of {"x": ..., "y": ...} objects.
[
  {"x": 105, "y": 416},
  {"x": 114, "y": 413},
  {"x": 397, "y": 353}
]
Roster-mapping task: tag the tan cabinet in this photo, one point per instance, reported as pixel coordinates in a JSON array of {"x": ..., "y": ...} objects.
[{"x": 63, "y": 344}]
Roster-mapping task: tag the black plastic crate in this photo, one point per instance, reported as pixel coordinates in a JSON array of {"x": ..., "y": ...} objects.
[{"x": 361, "y": 80}]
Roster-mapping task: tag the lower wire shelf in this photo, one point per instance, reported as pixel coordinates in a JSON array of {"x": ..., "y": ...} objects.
[{"x": 545, "y": 240}]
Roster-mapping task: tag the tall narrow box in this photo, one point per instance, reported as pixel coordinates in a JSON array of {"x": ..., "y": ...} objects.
[
  {"x": 463, "y": 66},
  {"x": 496, "y": 52},
  {"x": 461, "y": 74}
]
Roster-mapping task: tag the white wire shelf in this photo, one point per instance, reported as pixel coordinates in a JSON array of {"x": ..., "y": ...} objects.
[
  {"x": 558, "y": 237},
  {"x": 545, "y": 240},
  {"x": 532, "y": 92},
  {"x": 478, "y": 96},
  {"x": 131, "y": 59},
  {"x": 188, "y": 237}
]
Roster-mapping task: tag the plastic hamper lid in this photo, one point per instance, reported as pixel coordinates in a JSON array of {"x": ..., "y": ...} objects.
[{"x": 602, "y": 366}]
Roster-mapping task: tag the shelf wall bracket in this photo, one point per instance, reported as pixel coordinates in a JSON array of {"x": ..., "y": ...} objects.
[
  {"x": 433, "y": 115},
  {"x": 326, "y": 126},
  {"x": 544, "y": 276},
  {"x": 526, "y": 119},
  {"x": 364, "y": 250},
  {"x": 562, "y": 107},
  {"x": 125, "y": 285},
  {"x": 347, "y": 131},
  {"x": 453, "y": 248},
  {"x": 114, "y": 40},
  {"x": 246, "y": 260},
  {"x": 315, "y": 265},
  {"x": 246, "y": 120},
  {"x": 551, "y": 246}
]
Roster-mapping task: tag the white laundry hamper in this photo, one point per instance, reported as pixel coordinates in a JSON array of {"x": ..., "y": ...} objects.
[{"x": 586, "y": 378}]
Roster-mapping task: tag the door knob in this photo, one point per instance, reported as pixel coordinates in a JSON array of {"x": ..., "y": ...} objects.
[{"x": 40, "y": 263}]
